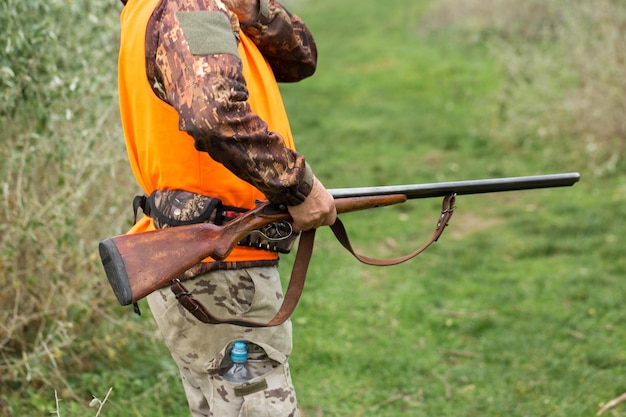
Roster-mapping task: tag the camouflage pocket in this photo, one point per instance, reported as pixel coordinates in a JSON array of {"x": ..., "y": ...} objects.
[
  {"x": 270, "y": 393},
  {"x": 278, "y": 399},
  {"x": 178, "y": 208}
]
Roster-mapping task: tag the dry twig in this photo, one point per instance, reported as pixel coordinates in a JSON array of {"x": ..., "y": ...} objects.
[
  {"x": 615, "y": 401},
  {"x": 445, "y": 383},
  {"x": 57, "y": 400},
  {"x": 104, "y": 401}
]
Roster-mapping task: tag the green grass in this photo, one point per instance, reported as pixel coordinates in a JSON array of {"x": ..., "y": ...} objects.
[
  {"x": 516, "y": 311},
  {"x": 384, "y": 91}
]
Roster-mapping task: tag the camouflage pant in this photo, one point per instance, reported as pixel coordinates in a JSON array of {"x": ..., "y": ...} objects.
[{"x": 198, "y": 348}]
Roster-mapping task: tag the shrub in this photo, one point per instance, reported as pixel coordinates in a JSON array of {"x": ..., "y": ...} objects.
[{"x": 60, "y": 138}]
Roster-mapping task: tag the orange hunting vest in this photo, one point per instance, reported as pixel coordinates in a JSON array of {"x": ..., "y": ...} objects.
[{"x": 163, "y": 157}]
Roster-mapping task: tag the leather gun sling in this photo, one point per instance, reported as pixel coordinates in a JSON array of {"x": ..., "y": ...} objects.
[{"x": 298, "y": 273}]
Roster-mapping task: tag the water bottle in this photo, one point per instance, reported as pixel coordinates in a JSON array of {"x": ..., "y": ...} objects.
[{"x": 238, "y": 371}]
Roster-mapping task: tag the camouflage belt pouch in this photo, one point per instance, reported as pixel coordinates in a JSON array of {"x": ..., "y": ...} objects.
[
  {"x": 170, "y": 208},
  {"x": 178, "y": 208}
]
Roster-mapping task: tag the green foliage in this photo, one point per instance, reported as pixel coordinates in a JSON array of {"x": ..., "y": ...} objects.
[
  {"x": 516, "y": 311},
  {"x": 60, "y": 139},
  {"x": 47, "y": 59}
]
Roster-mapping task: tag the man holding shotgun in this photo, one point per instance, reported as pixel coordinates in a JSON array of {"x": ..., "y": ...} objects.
[{"x": 207, "y": 136}]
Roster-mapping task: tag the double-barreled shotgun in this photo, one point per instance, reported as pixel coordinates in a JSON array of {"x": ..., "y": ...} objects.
[{"x": 138, "y": 264}]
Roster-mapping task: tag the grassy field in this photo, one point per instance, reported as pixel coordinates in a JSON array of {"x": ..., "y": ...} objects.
[{"x": 516, "y": 311}]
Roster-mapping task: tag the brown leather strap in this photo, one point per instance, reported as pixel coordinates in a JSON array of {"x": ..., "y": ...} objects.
[
  {"x": 447, "y": 209},
  {"x": 298, "y": 273},
  {"x": 292, "y": 296}
]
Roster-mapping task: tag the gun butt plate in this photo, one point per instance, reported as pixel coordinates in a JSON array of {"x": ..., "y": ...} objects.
[{"x": 115, "y": 271}]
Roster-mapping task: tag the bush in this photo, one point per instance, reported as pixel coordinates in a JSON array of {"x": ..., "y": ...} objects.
[{"x": 61, "y": 136}]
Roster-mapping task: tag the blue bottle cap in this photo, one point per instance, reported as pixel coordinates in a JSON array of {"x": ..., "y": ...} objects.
[{"x": 239, "y": 353}]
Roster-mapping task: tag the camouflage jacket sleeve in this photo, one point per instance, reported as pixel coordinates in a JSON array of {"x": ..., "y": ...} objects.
[
  {"x": 194, "y": 66},
  {"x": 284, "y": 40}
]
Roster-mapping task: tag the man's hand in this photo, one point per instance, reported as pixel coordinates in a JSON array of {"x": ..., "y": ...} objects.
[
  {"x": 246, "y": 10},
  {"x": 317, "y": 210}
]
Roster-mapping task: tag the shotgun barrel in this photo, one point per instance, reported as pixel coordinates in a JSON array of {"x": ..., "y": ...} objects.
[{"x": 441, "y": 189}]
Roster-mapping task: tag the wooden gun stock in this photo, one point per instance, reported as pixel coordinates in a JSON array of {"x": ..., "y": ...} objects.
[{"x": 138, "y": 264}]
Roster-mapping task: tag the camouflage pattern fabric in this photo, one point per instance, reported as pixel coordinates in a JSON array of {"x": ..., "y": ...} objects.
[
  {"x": 210, "y": 93},
  {"x": 280, "y": 23},
  {"x": 199, "y": 349},
  {"x": 178, "y": 207}
]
